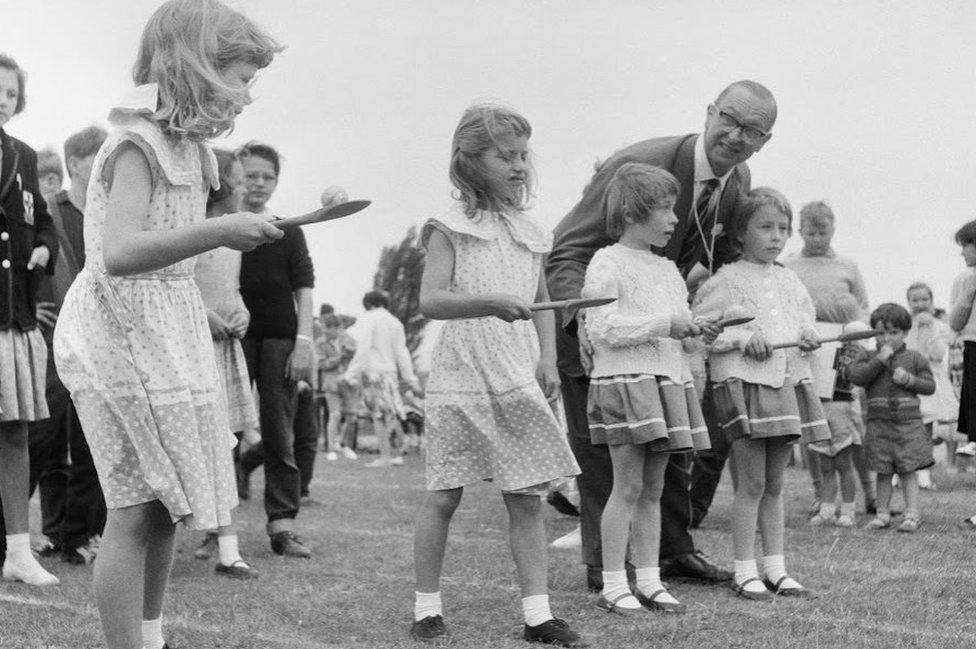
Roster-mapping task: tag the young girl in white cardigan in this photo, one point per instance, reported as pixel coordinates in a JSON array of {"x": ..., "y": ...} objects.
[
  {"x": 642, "y": 401},
  {"x": 764, "y": 397}
]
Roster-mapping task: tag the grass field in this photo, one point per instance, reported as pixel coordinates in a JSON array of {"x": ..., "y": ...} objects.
[{"x": 877, "y": 589}]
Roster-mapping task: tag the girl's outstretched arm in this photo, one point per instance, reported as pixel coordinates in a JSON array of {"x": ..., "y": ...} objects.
[
  {"x": 130, "y": 249},
  {"x": 438, "y": 302}
]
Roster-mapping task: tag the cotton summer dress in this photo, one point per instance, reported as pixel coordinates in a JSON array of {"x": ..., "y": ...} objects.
[
  {"x": 486, "y": 417},
  {"x": 217, "y": 273},
  {"x": 135, "y": 351}
]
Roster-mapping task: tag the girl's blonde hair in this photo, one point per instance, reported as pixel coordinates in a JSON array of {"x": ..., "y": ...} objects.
[
  {"x": 185, "y": 46},
  {"x": 480, "y": 129},
  {"x": 634, "y": 190}
]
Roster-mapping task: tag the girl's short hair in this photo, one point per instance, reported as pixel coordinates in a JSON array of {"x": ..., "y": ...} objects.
[
  {"x": 839, "y": 308},
  {"x": 816, "y": 213},
  {"x": 184, "y": 47},
  {"x": 893, "y": 315},
  {"x": 225, "y": 165},
  {"x": 920, "y": 286},
  {"x": 748, "y": 204},
  {"x": 966, "y": 234},
  {"x": 263, "y": 151},
  {"x": 8, "y": 63},
  {"x": 480, "y": 129},
  {"x": 331, "y": 320},
  {"x": 633, "y": 191}
]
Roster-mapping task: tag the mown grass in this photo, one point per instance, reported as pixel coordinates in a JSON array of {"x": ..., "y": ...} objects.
[{"x": 877, "y": 589}]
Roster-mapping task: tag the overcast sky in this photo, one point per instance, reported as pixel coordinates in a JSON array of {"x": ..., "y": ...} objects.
[{"x": 876, "y": 106}]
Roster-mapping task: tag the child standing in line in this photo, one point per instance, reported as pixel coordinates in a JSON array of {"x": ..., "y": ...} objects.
[
  {"x": 217, "y": 274},
  {"x": 764, "y": 397},
  {"x": 962, "y": 320},
  {"x": 132, "y": 342},
  {"x": 28, "y": 246},
  {"x": 896, "y": 442},
  {"x": 836, "y": 456},
  {"x": 931, "y": 337},
  {"x": 492, "y": 372},
  {"x": 642, "y": 400}
]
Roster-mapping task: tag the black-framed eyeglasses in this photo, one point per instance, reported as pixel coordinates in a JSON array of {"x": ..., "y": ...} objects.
[{"x": 750, "y": 134}]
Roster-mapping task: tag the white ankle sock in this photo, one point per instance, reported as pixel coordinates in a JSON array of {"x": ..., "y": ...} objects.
[
  {"x": 649, "y": 582},
  {"x": 535, "y": 608},
  {"x": 614, "y": 585},
  {"x": 18, "y": 545},
  {"x": 152, "y": 633},
  {"x": 774, "y": 568},
  {"x": 847, "y": 509},
  {"x": 827, "y": 511},
  {"x": 227, "y": 549},
  {"x": 426, "y": 605},
  {"x": 745, "y": 570}
]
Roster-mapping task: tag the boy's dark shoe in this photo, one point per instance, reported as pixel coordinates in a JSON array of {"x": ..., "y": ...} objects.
[
  {"x": 693, "y": 565},
  {"x": 430, "y": 628},
  {"x": 287, "y": 544},
  {"x": 554, "y": 632}
]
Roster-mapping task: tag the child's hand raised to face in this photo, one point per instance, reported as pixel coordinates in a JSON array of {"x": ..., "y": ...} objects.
[
  {"x": 886, "y": 352},
  {"x": 901, "y": 376}
]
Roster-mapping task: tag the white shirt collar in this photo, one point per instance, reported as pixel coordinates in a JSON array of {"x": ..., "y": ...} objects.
[{"x": 703, "y": 168}]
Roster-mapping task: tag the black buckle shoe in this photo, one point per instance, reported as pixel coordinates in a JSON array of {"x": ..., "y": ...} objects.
[
  {"x": 430, "y": 628},
  {"x": 555, "y": 632}
]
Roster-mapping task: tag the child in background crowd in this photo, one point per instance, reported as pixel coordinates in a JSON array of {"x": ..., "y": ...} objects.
[
  {"x": 931, "y": 337},
  {"x": 764, "y": 397},
  {"x": 132, "y": 342},
  {"x": 642, "y": 399},
  {"x": 488, "y": 415},
  {"x": 962, "y": 320},
  {"x": 896, "y": 442},
  {"x": 843, "y": 418},
  {"x": 827, "y": 276},
  {"x": 217, "y": 273},
  {"x": 335, "y": 348},
  {"x": 28, "y": 246},
  {"x": 50, "y": 172}
]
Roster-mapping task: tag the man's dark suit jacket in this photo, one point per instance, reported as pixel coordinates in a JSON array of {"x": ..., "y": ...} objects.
[{"x": 582, "y": 232}]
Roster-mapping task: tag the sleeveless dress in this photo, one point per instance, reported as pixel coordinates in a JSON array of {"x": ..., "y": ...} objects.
[
  {"x": 486, "y": 418},
  {"x": 135, "y": 351}
]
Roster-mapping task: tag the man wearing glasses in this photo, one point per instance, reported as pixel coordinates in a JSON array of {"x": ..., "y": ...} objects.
[{"x": 712, "y": 171}]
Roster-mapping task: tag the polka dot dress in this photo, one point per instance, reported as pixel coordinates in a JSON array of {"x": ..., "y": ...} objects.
[
  {"x": 136, "y": 351},
  {"x": 486, "y": 416}
]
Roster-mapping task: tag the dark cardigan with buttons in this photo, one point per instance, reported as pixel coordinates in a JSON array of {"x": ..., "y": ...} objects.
[{"x": 26, "y": 222}]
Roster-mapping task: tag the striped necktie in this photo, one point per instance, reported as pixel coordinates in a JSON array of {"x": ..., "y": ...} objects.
[{"x": 695, "y": 248}]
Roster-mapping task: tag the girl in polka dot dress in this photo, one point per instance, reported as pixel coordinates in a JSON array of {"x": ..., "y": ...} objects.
[
  {"x": 132, "y": 342},
  {"x": 642, "y": 399},
  {"x": 493, "y": 373}
]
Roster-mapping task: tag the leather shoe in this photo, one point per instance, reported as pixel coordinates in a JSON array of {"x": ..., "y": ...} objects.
[
  {"x": 693, "y": 565},
  {"x": 287, "y": 544}
]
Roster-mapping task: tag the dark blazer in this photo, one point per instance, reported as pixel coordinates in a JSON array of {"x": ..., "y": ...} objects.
[
  {"x": 25, "y": 219},
  {"x": 582, "y": 232}
]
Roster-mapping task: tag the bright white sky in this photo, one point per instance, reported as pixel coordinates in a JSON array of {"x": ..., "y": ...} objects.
[{"x": 876, "y": 104}]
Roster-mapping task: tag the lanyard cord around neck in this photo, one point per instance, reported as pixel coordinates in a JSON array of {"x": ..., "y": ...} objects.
[{"x": 709, "y": 245}]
